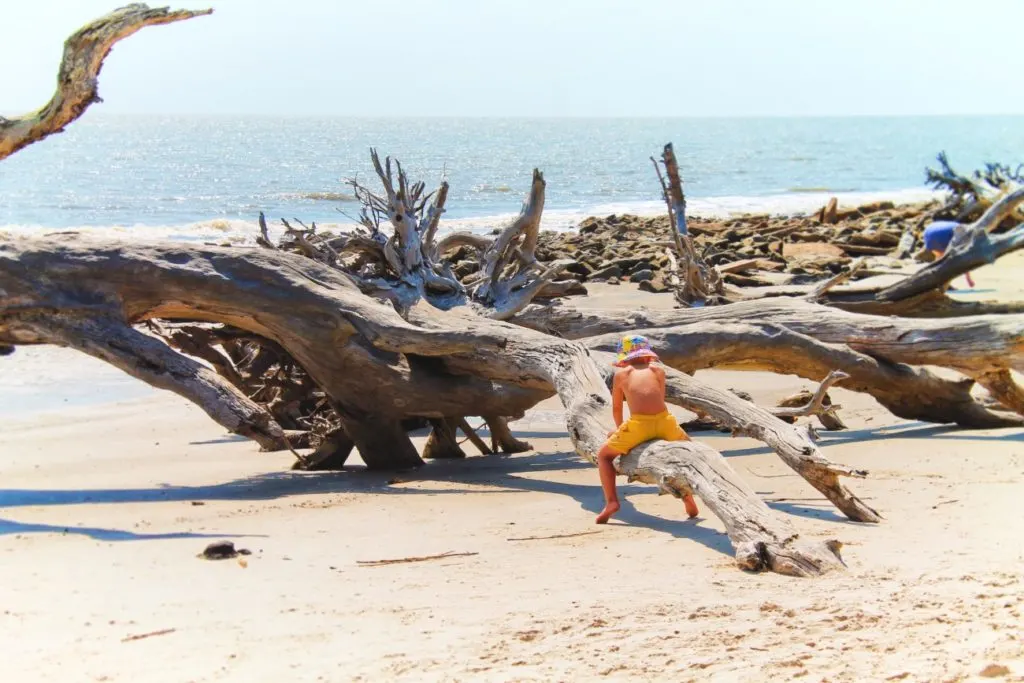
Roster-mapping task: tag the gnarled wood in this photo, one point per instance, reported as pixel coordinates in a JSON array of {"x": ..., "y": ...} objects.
[
  {"x": 970, "y": 196},
  {"x": 348, "y": 342},
  {"x": 77, "y": 80},
  {"x": 760, "y": 538},
  {"x": 817, "y": 404},
  {"x": 502, "y": 439},
  {"x": 102, "y": 335},
  {"x": 331, "y": 454},
  {"x": 798, "y": 337}
]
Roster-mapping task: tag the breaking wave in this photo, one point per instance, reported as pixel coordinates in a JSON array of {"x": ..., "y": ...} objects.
[{"x": 244, "y": 232}]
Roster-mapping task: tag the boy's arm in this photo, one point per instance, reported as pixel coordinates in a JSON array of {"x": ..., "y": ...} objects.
[{"x": 617, "y": 397}]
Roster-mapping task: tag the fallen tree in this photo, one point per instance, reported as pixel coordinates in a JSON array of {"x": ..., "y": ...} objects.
[{"x": 432, "y": 364}]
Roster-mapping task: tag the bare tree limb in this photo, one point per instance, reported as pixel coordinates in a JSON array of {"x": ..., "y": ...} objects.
[{"x": 77, "y": 80}]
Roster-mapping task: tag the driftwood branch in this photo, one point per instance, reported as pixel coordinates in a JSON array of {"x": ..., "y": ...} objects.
[
  {"x": 816, "y": 405},
  {"x": 77, "y": 79},
  {"x": 691, "y": 279},
  {"x": 102, "y": 335},
  {"x": 407, "y": 560},
  {"x": 970, "y": 196}
]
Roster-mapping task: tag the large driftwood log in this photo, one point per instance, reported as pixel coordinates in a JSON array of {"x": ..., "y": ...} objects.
[
  {"x": 433, "y": 363},
  {"x": 77, "y": 80},
  {"x": 882, "y": 355}
]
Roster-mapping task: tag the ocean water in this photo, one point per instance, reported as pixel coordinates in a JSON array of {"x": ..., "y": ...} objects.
[{"x": 209, "y": 177}]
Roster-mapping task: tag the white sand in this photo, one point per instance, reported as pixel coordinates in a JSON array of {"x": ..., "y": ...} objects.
[{"x": 100, "y": 526}]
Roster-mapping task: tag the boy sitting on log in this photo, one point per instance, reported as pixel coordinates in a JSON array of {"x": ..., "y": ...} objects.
[{"x": 641, "y": 382}]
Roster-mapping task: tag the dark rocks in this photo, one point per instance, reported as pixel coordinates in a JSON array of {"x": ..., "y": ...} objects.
[
  {"x": 222, "y": 550},
  {"x": 656, "y": 285},
  {"x": 580, "y": 268},
  {"x": 634, "y": 248}
]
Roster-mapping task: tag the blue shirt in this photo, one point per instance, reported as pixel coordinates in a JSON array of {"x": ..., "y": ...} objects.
[{"x": 938, "y": 235}]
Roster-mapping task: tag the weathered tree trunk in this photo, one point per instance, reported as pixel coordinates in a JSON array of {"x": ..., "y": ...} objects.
[
  {"x": 796, "y": 337},
  {"x": 348, "y": 342}
]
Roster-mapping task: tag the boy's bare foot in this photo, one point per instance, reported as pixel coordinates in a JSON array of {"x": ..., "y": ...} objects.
[
  {"x": 609, "y": 510},
  {"x": 691, "y": 506}
]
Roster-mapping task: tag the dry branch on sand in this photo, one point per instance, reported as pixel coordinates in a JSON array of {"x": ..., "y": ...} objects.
[{"x": 354, "y": 337}]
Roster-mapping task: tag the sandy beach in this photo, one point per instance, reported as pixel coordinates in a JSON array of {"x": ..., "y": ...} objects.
[{"x": 110, "y": 490}]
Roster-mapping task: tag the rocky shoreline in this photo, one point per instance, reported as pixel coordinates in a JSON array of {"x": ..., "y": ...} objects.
[{"x": 749, "y": 250}]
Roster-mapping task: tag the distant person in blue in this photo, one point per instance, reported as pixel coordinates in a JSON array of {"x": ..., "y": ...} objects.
[{"x": 937, "y": 237}]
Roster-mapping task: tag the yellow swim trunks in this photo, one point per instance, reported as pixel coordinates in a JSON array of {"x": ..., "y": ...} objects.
[{"x": 640, "y": 428}]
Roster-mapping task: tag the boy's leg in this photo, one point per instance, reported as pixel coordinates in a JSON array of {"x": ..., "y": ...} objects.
[
  {"x": 606, "y": 469},
  {"x": 691, "y": 505}
]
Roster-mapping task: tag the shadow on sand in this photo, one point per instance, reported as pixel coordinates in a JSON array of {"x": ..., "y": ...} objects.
[
  {"x": 902, "y": 430},
  {"x": 501, "y": 472},
  {"x": 505, "y": 474}
]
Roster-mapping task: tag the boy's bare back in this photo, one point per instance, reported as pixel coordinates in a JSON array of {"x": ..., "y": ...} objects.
[{"x": 643, "y": 386}]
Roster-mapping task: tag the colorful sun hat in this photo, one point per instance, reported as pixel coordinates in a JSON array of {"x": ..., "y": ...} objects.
[{"x": 632, "y": 347}]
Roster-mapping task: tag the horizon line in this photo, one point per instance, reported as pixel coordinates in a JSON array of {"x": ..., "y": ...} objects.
[{"x": 300, "y": 115}]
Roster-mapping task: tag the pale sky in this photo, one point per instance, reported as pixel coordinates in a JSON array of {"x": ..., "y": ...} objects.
[{"x": 539, "y": 57}]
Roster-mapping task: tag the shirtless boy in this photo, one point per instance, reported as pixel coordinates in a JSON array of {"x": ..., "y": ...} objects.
[{"x": 641, "y": 382}]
